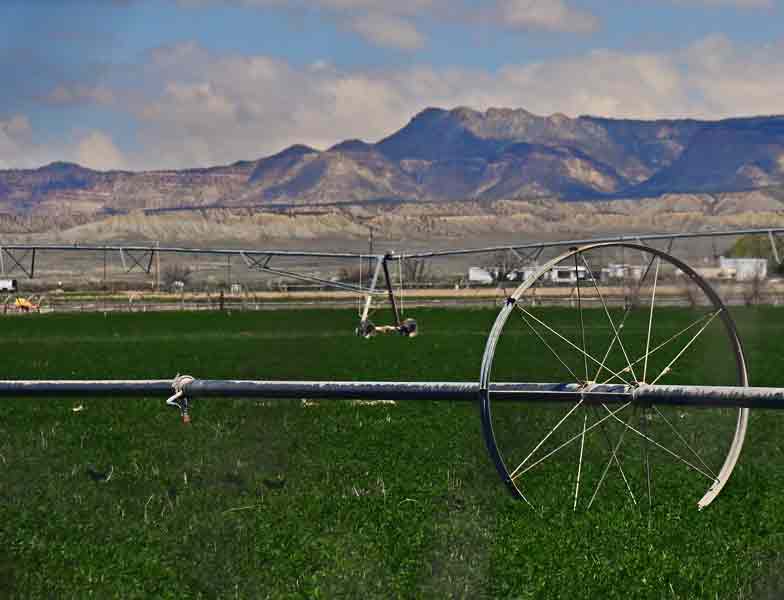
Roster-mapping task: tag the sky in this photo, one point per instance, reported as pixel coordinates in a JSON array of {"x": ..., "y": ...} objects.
[{"x": 160, "y": 84}]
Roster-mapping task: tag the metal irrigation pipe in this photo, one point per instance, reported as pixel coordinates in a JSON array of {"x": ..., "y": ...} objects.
[{"x": 688, "y": 395}]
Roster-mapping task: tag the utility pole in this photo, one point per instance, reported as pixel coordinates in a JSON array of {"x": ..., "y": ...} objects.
[
  {"x": 370, "y": 239},
  {"x": 158, "y": 266}
]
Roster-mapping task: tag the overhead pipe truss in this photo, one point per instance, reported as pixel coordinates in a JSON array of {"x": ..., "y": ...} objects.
[
  {"x": 141, "y": 257},
  {"x": 21, "y": 258}
]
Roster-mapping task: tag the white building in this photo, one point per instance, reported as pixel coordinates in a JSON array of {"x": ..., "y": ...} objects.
[
  {"x": 8, "y": 285},
  {"x": 480, "y": 275},
  {"x": 565, "y": 274},
  {"x": 568, "y": 274},
  {"x": 621, "y": 271},
  {"x": 744, "y": 269},
  {"x": 523, "y": 273}
]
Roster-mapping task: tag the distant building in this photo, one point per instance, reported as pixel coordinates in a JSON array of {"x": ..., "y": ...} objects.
[
  {"x": 8, "y": 285},
  {"x": 568, "y": 274},
  {"x": 560, "y": 274},
  {"x": 744, "y": 269},
  {"x": 712, "y": 273},
  {"x": 480, "y": 275},
  {"x": 523, "y": 273},
  {"x": 621, "y": 271},
  {"x": 236, "y": 289}
]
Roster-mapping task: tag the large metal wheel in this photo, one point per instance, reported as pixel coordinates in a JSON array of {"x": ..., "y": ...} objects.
[{"x": 654, "y": 322}]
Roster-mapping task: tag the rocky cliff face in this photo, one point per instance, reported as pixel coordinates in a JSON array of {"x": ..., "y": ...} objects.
[
  {"x": 440, "y": 156},
  {"x": 63, "y": 188}
]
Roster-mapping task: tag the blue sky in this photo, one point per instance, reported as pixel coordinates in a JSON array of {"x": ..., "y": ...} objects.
[{"x": 148, "y": 84}]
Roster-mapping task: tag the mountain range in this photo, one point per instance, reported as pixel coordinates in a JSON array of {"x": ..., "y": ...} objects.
[{"x": 440, "y": 156}]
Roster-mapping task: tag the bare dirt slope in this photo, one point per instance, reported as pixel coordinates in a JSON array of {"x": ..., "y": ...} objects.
[{"x": 424, "y": 222}]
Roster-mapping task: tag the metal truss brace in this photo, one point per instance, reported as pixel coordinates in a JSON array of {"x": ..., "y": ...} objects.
[
  {"x": 527, "y": 257},
  {"x": 18, "y": 262},
  {"x": 773, "y": 247},
  {"x": 390, "y": 291},
  {"x": 137, "y": 260},
  {"x": 256, "y": 263},
  {"x": 372, "y": 289},
  {"x": 262, "y": 265}
]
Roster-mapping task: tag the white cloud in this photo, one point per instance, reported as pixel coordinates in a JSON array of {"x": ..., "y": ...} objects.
[
  {"x": 17, "y": 125},
  {"x": 96, "y": 150},
  {"x": 735, "y": 80},
  {"x": 197, "y": 108},
  {"x": 14, "y": 140},
  {"x": 602, "y": 83},
  {"x": 216, "y": 109},
  {"x": 400, "y": 7},
  {"x": 80, "y": 94},
  {"x": 21, "y": 149},
  {"x": 393, "y": 23},
  {"x": 379, "y": 22},
  {"x": 730, "y": 3},
  {"x": 389, "y": 31},
  {"x": 544, "y": 15}
]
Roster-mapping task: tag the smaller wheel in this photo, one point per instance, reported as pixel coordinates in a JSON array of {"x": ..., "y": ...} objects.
[
  {"x": 365, "y": 329},
  {"x": 408, "y": 328}
]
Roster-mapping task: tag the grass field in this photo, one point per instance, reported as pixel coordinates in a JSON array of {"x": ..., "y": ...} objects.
[{"x": 274, "y": 499}]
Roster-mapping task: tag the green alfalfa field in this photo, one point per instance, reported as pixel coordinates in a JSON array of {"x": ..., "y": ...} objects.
[{"x": 259, "y": 499}]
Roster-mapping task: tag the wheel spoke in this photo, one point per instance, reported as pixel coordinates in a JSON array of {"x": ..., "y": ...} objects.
[
  {"x": 648, "y": 270},
  {"x": 645, "y": 456},
  {"x": 686, "y": 347},
  {"x": 554, "y": 353},
  {"x": 572, "y": 344},
  {"x": 658, "y": 445},
  {"x": 618, "y": 461},
  {"x": 650, "y": 322},
  {"x": 580, "y": 463},
  {"x": 616, "y": 331},
  {"x": 545, "y": 438},
  {"x": 667, "y": 341},
  {"x": 616, "y": 337},
  {"x": 580, "y": 311},
  {"x": 683, "y": 439},
  {"x": 613, "y": 458},
  {"x": 519, "y": 472}
]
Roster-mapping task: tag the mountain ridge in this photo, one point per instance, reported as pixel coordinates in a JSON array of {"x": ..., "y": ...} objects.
[{"x": 440, "y": 155}]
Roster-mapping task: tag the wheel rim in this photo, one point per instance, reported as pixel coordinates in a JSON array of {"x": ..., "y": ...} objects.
[{"x": 575, "y": 450}]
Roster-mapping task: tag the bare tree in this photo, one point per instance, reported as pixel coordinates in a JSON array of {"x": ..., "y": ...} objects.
[
  {"x": 752, "y": 295},
  {"x": 415, "y": 270},
  {"x": 351, "y": 275},
  {"x": 691, "y": 293},
  {"x": 175, "y": 272},
  {"x": 500, "y": 264}
]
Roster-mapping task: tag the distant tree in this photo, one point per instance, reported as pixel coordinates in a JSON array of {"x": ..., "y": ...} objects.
[
  {"x": 500, "y": 264},
  {"x": 758, "y": 246},
  {"x": 172, "y": 273},
  {"x": 753, "y": 294},
  {"x": 690, "y": 293},
  {"x": 415, "y": 270},
  {"x": 755, "y": 246},
  {"x": 352, "y": 275}
]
